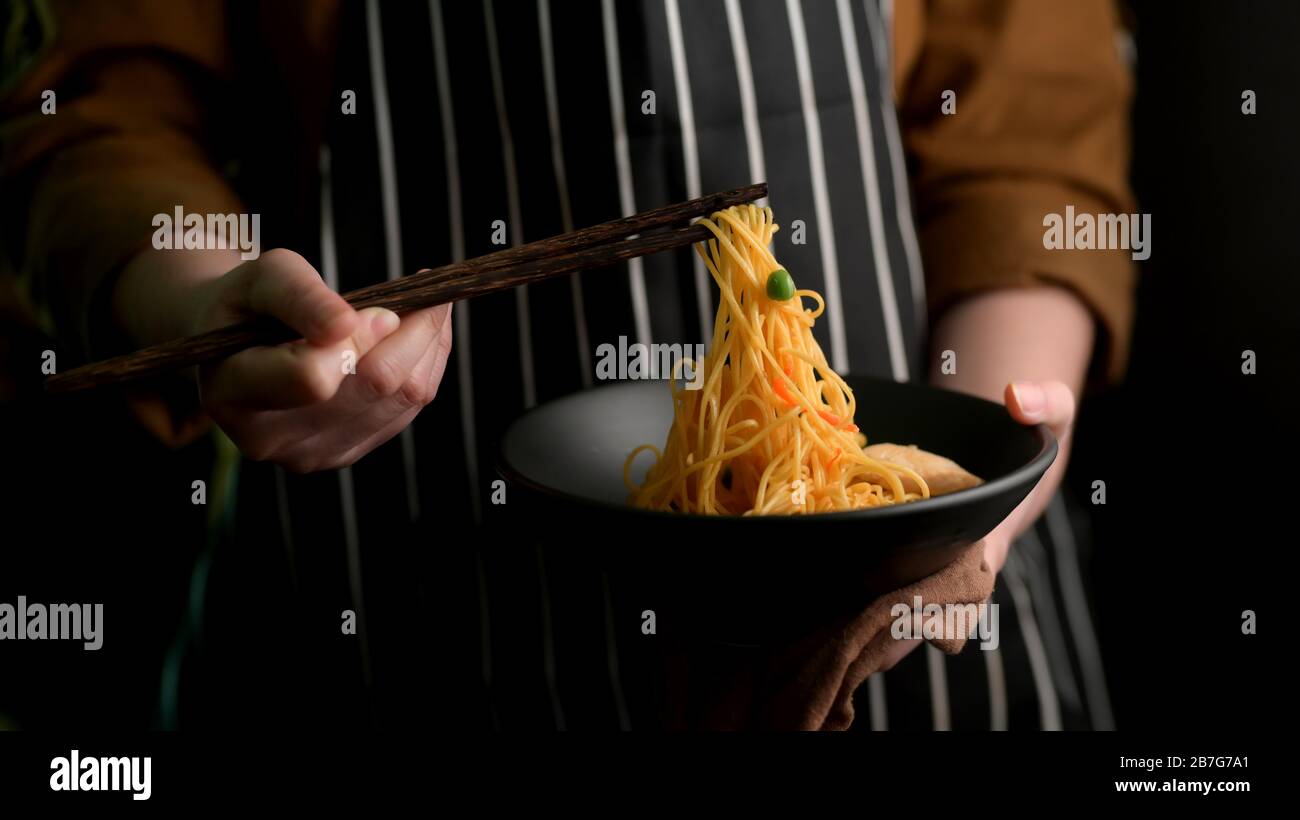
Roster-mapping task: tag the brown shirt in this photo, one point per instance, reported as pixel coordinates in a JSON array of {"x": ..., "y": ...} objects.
[{"x": 1042, "y": 97}]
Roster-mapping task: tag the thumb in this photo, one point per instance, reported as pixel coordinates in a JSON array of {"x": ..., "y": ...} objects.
[
  {"x": 1050, "y": 403},
  {"x": 283, "y": 285}
]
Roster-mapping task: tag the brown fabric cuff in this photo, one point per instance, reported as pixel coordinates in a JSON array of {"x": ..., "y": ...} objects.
[
  {"x": 90, "y": 219},
  {"x": 809, "y": 684},
  {"x": 989, "y": 234}
]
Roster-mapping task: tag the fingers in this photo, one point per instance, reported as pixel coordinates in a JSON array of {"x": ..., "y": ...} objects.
[
  {"x": 322, "y": 453},
  {"x": 300, "y": 406},
  {"x": 996, "y": 546},
  {"x": 1050, "y": 403},
  {"x": 355, "y": 422},
  {"x": 297, "y": 374},
  {"x": 284, "y": 285},
  {"x": 400, "y": 369},
  {"x": 377, "y": 421}
]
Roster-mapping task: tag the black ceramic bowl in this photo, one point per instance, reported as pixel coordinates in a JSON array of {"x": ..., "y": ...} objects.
[{"x": 564, "y": 462}]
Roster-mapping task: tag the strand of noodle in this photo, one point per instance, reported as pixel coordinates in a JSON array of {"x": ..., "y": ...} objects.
[
  {"x": 741, "y": 436},
  {"x": 627, "y": 465}
]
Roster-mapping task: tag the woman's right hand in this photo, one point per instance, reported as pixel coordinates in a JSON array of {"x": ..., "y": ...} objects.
[{"x": 354, "y": 381}]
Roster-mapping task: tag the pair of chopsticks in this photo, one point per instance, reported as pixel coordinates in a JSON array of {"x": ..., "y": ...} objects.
[{"x": 601, "y": 245}]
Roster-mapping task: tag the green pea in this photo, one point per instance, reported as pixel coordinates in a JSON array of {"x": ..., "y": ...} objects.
[{"x": 780, "y": 287}]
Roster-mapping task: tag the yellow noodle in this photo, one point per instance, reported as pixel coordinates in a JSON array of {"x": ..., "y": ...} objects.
[{"x": 737, "y": 445}]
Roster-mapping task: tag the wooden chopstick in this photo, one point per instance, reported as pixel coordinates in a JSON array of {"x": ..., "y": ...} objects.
[{"x": 585, "y": 249}]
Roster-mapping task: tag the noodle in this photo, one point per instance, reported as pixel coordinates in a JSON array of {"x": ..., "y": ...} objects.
[{"x": 771, "y": 430}]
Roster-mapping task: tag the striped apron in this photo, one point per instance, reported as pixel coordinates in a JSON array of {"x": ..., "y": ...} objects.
[{"x": 540, "y": 117}]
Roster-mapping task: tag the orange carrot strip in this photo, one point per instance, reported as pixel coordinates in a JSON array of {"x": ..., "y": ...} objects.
[{"x": 779, "y": 387}]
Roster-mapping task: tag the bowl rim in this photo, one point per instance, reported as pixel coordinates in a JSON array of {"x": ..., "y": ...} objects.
[{"x": 1034, "y": 470}]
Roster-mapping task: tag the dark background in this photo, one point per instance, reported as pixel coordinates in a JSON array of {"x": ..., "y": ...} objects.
[{"x": 1194, "y": 453}]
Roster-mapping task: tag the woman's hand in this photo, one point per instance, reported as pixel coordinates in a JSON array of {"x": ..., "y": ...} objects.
[
  {"x": 354, "y": 381},
  {"x": 1031, "y": 347},
  {"x": 1050, "y": 403}
]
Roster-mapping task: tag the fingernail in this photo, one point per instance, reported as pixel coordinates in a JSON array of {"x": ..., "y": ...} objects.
[
  {"x": 1031, "y": 399},
  {"x": 384, "y": 321}
]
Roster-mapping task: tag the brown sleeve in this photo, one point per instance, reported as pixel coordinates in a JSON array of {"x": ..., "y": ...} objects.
[
  {"x": 1041, "y": 122},
  {"x": 134, "y": 80}
]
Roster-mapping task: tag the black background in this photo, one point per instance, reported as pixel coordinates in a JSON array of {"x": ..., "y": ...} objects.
[{"x": 1193, "y": 452}]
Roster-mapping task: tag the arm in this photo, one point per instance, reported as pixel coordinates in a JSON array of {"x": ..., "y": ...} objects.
[
  {"x": 135, "y": 83},
  {"x": 1041, "y": 123},
  {"x": 357, "y": 380},
  {"x": 1037, "y": 340},
  {"x": 140, "y": 84}
]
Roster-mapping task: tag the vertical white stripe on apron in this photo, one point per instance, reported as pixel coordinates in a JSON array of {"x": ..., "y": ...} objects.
[
  {"x": 347, "y": 500},
  {"x": 821, "y": 197},
  {"x": 464, "y": 353},
  {"x": 353, "y": 541},
  {"x": 886, "y": 17},
  {"x": 562, "y": 179},
  {"x": 392, "y": 219},
  {"x": 690, "y": 153},
  {"x": 1049, "y": 710},
  {"x": 548, "y": 641},
  {"x": 611, "y": 657},
  {"x": 1077, "y": 616},
  {"x": 464, "y": 357},
  {"x": 384, "y": 139},
  {"x": 1033, "y": 562},
  {"x": 940, "y": 709},
  {"x": 522, "y": 317},
  {"x": 882, "y": 36},
  {"x": 286, "y": 524},
  {"x": 748, "y": 101},
  {"x": 875, "y": 222},
  {"x": 623, "y": 161},
  {"x": 525, "y": 339},
  {"x": 484, "y": 629},
  {"x": 997, "y": 689},
  {"x": 584, "y": 343},
  {"x": 876, "y": 702}
]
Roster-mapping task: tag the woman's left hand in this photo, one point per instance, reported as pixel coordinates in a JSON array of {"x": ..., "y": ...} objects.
[{"x": 1050, "y": 403}]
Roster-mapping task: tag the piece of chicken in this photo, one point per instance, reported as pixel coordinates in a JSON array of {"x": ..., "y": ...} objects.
[{"x": 942, "y": 474}]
